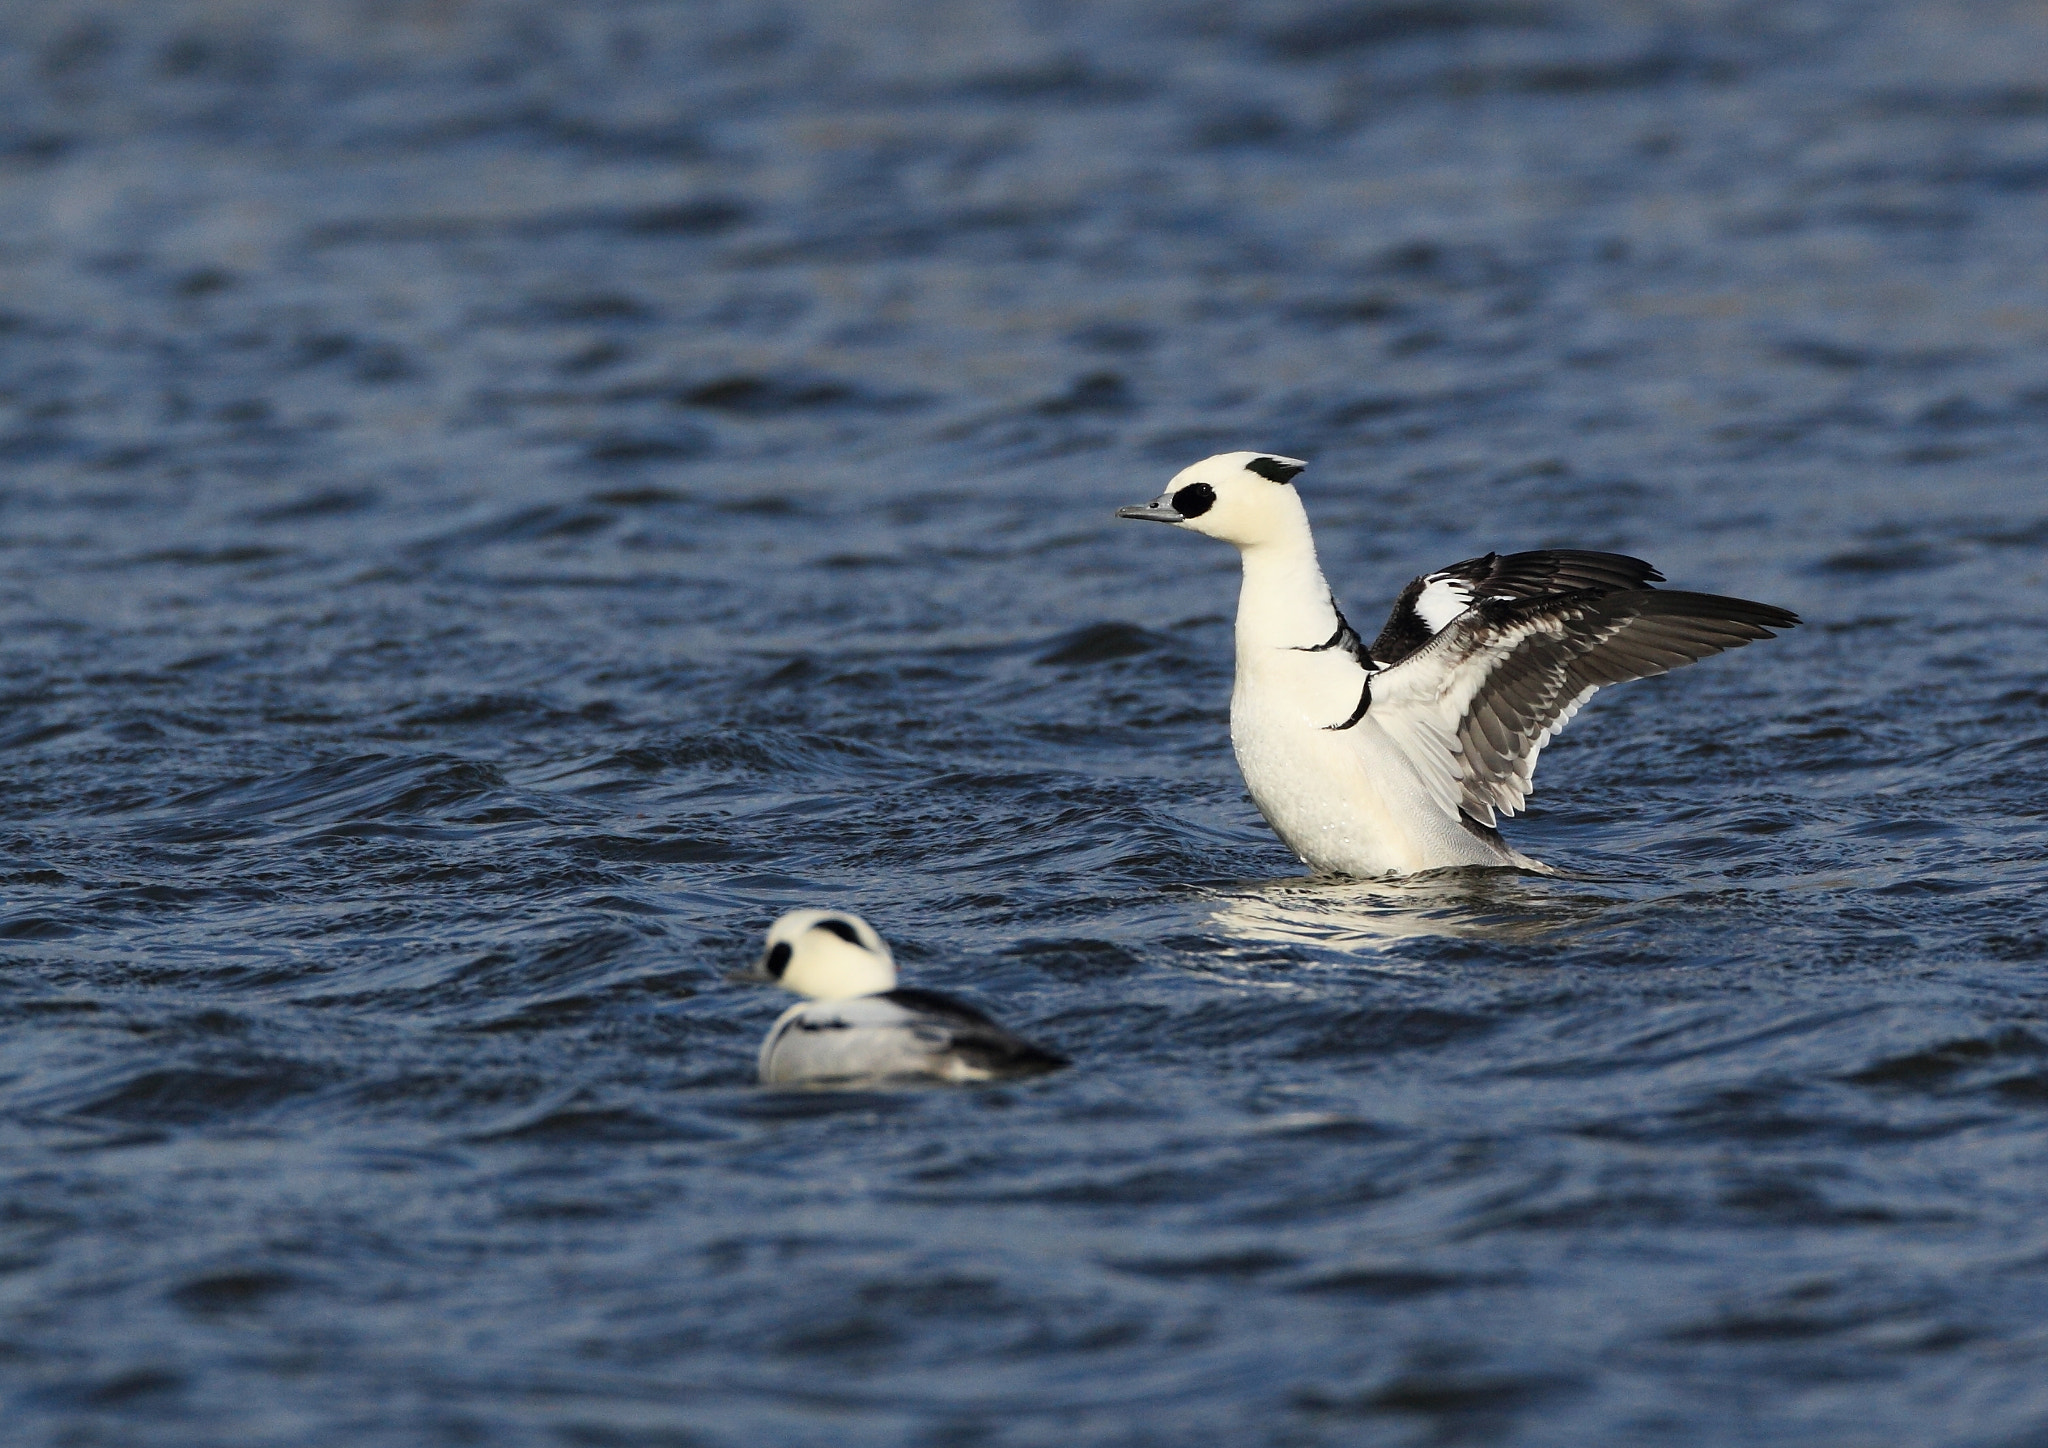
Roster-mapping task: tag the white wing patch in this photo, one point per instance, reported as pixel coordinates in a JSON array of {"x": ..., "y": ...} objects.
[{"x": 1442, "y": 599}]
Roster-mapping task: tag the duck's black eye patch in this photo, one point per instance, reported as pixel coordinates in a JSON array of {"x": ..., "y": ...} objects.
[
  {"x": 778, "y": 959},
  {"x": 841, "y": 929},
  {"x": 1194, "y": 500},
  {"x": 1274, "y": 469}
]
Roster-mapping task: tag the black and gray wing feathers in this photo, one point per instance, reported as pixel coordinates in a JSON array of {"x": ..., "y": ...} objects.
[
  {"x": 1541, "y": 573},
  {"x": 1548, "y": 571},
  {"x": 1516, "y": 670}
]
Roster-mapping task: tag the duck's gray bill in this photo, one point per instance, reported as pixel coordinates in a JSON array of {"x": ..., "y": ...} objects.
[
  {"x": 755, "y": 974},
  {"x": 1152, "y": 513}
]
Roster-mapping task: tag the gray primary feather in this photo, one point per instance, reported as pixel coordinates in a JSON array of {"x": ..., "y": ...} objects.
[{"x": 1539, "y": 659}]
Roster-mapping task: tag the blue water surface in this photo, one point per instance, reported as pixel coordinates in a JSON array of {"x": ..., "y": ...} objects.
[{"x": 498, "y": 500}]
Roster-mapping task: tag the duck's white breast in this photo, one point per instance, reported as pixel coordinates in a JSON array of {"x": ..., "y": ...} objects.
[{"x": 1344, "y": 800}]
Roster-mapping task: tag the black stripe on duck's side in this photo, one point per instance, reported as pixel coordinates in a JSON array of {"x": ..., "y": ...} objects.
[
  {"x": 973, "y": 1037},
  {"x": 1364, "y": 703},
  {"x": 812, "y": 1025},
  {"x": 1345, "y": 638}
]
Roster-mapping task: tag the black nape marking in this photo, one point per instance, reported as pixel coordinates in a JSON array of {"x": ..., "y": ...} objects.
[
  {"x": 1194, "y": 500},
  {"x": 1273, "y": 469},
  {"x": 841, "y": 929},
  {"x": 778, "y": 959}
]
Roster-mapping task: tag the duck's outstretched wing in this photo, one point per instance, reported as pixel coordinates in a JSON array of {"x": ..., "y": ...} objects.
[
  {"x": 1473, "y": 705},
  {"x": 1429, "y": 603}
]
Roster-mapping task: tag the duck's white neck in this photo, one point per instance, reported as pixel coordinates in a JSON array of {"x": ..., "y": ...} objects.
[{"x": 1284, "y": 602}]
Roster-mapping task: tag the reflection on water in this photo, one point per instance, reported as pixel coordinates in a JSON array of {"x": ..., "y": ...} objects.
[{"x": 1368, "y": 917}]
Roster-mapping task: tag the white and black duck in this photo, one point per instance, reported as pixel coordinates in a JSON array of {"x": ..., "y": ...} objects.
[
  {"x": 857, "y": 1026},
  {"x": 1395, "y": 757}
]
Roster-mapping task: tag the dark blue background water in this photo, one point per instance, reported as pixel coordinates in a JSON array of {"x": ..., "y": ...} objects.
[{"x": 499, "y": 500}]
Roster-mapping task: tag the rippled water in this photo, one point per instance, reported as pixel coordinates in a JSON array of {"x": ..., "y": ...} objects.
[{"x": 498, "y": 500}]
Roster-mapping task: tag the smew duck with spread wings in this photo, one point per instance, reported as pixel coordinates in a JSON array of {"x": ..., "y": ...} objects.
[{"x": 1400, "y": 755}]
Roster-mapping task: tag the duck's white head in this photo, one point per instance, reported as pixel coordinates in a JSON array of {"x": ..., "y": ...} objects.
[
  {"x": 1245, "y": 498},
  {"x": 828, "y": 955}
]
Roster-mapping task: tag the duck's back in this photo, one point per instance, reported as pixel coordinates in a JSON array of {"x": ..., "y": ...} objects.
[{"x": 899, "y": 1035}]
